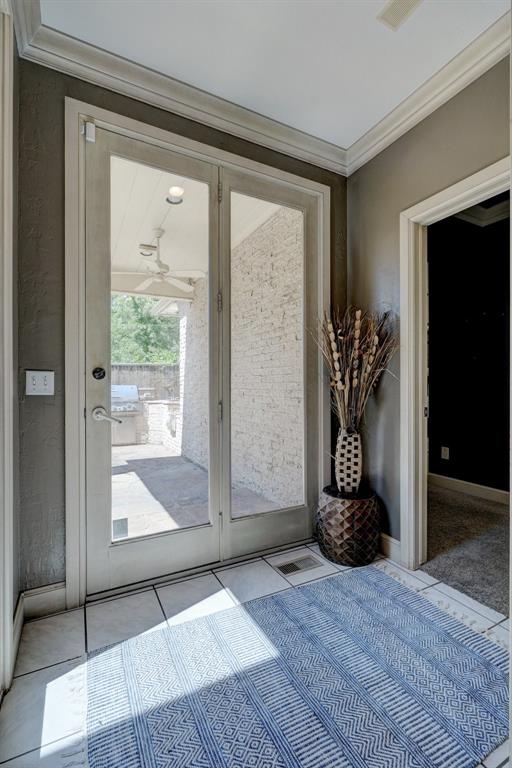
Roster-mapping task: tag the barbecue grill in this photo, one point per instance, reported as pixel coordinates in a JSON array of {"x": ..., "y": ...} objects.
[{"x": 125, "y": 403}]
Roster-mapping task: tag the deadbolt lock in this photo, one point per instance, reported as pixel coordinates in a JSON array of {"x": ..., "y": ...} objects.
[{"x": 98, "y": 373}]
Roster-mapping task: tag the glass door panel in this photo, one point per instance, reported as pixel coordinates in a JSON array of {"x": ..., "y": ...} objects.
[
  {"x": 159, "y": 350},
  {"x": 152, "y": 362},
  {"x": 270, "y": 363},
  {"x": 267, "y": 356}
]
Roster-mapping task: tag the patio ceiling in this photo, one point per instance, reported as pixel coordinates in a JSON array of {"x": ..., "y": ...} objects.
[{"x": 138, "y": 207}]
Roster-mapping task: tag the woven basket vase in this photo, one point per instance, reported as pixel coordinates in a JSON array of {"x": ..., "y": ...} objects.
[
  {"x": 348, "y": 530},
  {"x": 348, "y": 461}
]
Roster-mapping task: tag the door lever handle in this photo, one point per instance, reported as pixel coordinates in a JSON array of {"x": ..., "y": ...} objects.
[{"x": 100, "y": 414}]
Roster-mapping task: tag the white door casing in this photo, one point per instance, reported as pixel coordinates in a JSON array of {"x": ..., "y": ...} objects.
[
  {"x": 7, "y": 393},
  {"x": 413, "y": 345}
]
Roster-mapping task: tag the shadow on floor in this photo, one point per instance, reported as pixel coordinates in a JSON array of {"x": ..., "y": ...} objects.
[{"x": 173, "y": 484}]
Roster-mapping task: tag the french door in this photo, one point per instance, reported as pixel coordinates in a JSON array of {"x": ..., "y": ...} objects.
[{"x": 201, "y": 368}]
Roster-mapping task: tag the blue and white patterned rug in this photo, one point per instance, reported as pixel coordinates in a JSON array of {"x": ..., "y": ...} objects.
[{"x": 355, "y": 671}]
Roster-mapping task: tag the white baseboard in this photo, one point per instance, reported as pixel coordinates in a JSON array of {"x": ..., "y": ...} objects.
[
  {"x": 390, "y": 547},
  {"x": 44, "y": 600},
  {"x": 32, "y": 604},
  {"x": 473, "y": 489}
]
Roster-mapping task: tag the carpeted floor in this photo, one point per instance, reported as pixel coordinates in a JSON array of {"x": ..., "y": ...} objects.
[{"x": 468, "y": 545}]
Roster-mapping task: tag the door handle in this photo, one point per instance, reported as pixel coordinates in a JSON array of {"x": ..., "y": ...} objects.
[{"x": 100, "y": 414}]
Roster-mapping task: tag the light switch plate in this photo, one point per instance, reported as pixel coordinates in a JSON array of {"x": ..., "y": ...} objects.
[
  {"x": 445, "y": 453},
  {"x": 40, "y": 382}
]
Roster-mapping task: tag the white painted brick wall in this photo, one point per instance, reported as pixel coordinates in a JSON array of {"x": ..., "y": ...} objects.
[
  {"x": 163, "y": 418},
  {"x": 194, "y": 375},
  {"x": 267, "y": 362}
]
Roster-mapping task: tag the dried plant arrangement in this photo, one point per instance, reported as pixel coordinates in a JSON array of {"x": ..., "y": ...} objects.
[{"x": 357, "y": 347}]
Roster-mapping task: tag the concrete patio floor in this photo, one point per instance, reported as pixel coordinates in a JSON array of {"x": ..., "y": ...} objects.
[{"x": 154, "y": 490}]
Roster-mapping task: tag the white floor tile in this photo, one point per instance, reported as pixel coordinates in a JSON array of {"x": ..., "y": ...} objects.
[
  {"x": 42, "y": 708},
  {"x": 324, "y": 567},
  {"x": 251, "y": 580},
  {"x": 499, "y": 634},
  {"x": 116, "y": 620},
  {"x": 499, "y": 757},
  {"x": 423, "y": 576},
  {"x": 410, "y": 579},
  {"x": 51, "y": 640},
  {"x": 69, "y": 751},
  {"x": 315, "y": 548},
  {"x": 480, "y": 608},
  {"x": 458, "y": 610},
  {"x": 190, "y": 599}
]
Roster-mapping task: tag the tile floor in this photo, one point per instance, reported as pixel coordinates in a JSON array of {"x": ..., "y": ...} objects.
[{"x": 42, "y": 718}]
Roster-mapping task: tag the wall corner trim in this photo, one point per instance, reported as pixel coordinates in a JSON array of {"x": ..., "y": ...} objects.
[{"x": 51, "y": 48}]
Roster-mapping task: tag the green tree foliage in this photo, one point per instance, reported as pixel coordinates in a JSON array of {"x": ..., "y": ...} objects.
[{"x": 138, "y": 336}]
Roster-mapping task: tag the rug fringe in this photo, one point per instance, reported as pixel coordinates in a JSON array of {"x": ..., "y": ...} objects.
[{"x": 77, "y": 758}]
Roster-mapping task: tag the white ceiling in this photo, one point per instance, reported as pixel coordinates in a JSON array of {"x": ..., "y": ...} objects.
[
  {"x": 327, "y": 68},
  {"x": 138, "y": 206}
]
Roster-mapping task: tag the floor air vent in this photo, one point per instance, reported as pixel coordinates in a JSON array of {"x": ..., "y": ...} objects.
[{"x": 301, "y": 564}]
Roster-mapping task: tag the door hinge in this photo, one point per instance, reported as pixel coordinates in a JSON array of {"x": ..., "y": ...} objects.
[
  {"x": 219, "y": 410},
  {"x": 219, "y": 302},
  {"x": 219, "y": 191},
  {"x": 425, "y": 411},
  {"x": 88, "y": 130}
]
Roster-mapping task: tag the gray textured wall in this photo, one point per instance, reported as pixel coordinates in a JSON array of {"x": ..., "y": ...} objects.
[
  {"x": 41, "y": 286},
  {"x": 468, "y": 133}
]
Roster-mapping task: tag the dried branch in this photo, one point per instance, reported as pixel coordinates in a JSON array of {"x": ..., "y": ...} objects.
[{"x": 357, "y": 347}]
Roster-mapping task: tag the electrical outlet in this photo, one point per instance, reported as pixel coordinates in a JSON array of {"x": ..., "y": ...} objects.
[
  {"x": 445, "y": 453},
  {"x": 39, "y": 382}
]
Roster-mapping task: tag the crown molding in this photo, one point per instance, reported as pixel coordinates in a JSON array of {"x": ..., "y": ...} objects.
[
  {"x": 472, "y": 62},
  {"x": 53, "y": 49}
]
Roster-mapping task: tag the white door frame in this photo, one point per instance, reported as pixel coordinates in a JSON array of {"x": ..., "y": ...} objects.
[
  {"x": 76, "y": 114},
  {"x": 413, "y": 345},
  {"x": 7, "y": 403}
]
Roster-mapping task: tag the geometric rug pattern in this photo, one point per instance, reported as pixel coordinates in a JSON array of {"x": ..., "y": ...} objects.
[{"x": 353, "y": 671}]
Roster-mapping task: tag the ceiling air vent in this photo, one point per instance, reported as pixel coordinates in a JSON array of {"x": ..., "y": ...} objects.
[
  {"x": 301, "y": 564},
  {"x": 396, "y": 12}
]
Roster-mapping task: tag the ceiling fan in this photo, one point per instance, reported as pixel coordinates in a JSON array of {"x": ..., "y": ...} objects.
[{"x": 164, "y": 273}]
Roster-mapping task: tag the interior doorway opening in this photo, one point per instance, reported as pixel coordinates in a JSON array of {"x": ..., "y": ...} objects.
[{"x": 468, "y": 320}]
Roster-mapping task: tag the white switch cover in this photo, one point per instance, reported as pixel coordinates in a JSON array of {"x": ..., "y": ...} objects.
[
  {"x": 40, "y": 382},
  {"x": 445, "y": 453}
]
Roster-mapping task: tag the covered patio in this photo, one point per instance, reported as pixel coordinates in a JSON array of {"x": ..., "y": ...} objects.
[{"x": 155, "y": 489}]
